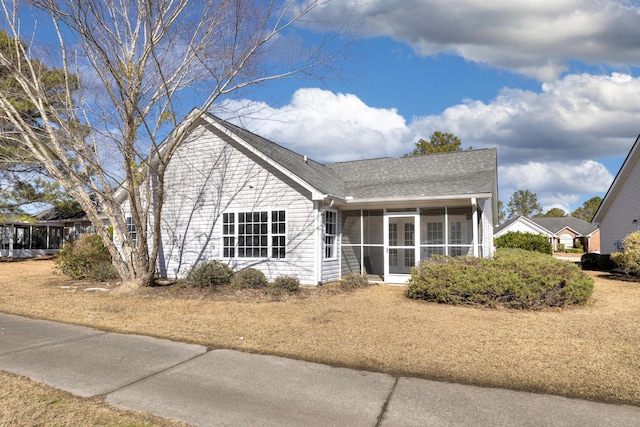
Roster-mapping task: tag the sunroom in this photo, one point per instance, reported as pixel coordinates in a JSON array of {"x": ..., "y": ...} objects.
[{"x": 386, "y": 243}]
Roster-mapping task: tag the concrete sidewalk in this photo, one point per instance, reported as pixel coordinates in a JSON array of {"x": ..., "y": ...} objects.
[{"x": 231, "y": 388}]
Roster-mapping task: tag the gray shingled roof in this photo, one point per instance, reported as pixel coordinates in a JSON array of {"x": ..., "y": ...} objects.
[
  {"x": 555, "y": 225},
  {"x": 56, "y": 214},
  {"x": 442, "y": 174}
]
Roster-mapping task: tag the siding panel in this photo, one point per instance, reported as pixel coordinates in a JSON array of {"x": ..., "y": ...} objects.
[{"x": 618, "y": 221}]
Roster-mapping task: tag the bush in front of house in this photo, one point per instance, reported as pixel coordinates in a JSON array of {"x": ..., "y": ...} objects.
[
  {"x": 629, "y": 259},
  {"x": 514, "y": 278},
  {"x": 86, "y": 258},
  {"x": 527, "y": 241},
  {"x": 286, "y": 283},
  {"x": 249, "y": 278},
  {"x": 594, "y": 261},
  {"x": 210, "y": 273},
  {"x": 283, "y": 285},
  {"x": 354, "y": 281}
]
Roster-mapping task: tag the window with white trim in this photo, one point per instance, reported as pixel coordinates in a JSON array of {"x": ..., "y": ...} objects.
[
  {"x": 131, "y": 228},
  {"x": 330, "y": 234},
  {"x": 278, "y": 234},
  {"x": 229, "y": 235},
  {"x": 254, "y": 234},
  {"x": 566, "y": 240}
]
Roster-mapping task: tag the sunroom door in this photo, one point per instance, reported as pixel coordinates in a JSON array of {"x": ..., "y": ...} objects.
[{"x": 401, "y": 247}]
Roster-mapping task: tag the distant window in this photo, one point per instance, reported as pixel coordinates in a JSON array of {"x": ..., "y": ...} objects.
[
  {"x": 55, "y": 237},
  {"x": 21, "y": 237},
  {"x": 5, "y": 236},
  {"x": 566, "y": 240}
]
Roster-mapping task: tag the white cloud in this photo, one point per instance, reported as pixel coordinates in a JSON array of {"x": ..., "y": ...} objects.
[
  {"x": 534, "y": 38},
  {"x": 327, "y": 126},
  {"x": 579, "y": 117},
  {"x": 556, "y": 184}
]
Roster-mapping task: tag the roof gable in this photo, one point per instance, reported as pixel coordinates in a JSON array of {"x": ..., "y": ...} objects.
[
  {"x": 521, "y": 221},
  {"x": 315, "y": 175}
]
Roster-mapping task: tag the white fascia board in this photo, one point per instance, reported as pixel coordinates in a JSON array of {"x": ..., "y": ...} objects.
[{"x": 351, "y": 200}]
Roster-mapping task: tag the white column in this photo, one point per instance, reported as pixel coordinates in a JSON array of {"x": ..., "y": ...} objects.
[{"x": 474, "y": 218}]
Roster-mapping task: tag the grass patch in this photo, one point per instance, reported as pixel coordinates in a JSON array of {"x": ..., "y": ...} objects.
[
  {"x": 590, "y": 351},
  {"x": 27, "y": 403}
]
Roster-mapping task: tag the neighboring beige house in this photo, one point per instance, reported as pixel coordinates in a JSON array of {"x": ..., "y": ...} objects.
[
  {"x": 234, "y": 196},
  {"x": 619, "y": 213},
  {"x": 561, "y": 231}
]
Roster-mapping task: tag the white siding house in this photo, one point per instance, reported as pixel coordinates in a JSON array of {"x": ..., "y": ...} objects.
[
  {"x": 619, "y": 213},
  {"x": 234, "y": 196}
]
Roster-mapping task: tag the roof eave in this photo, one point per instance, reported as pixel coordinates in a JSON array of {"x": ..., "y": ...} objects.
[{"x": 354, "y": 200}]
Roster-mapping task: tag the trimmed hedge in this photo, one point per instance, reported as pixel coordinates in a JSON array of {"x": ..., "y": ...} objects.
[
  {"x": 527, "y": 241},
  {"x": 514, "y": 278}
]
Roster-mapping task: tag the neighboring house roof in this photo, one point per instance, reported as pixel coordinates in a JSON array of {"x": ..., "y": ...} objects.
[
  {"x": 527, "y": 222},
  {"x": 469, "y": 173},
  {"x": 56, "y": 214},
  {"x": 551, "y": 226},
  {"x": 556, "y": 225},
  {"x": 630, "y": 162}
]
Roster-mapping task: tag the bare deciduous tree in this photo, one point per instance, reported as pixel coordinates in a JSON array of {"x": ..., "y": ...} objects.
[{"x": 140, "y": 63}]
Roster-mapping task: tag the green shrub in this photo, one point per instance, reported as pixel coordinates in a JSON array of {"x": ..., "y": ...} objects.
[
  {"x": 594, "y": 261},
  {"x": 573, "y": 250},
  {"x": 250, "y": 278},
  {"x": 354, "y": 281},
  {"x": 527, "y": 241},
  {"x": 210, "y": 273},
  {"x": 515, "y": 278},
  {"x": 629, "y": 259},
  {"x": 286, "y": 283},
  {"x": 86, "y": 258},
  {"x": 283, "y": 285}
]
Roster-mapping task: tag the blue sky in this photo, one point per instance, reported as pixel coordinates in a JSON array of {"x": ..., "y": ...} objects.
[{"x": 552, "y": 84}]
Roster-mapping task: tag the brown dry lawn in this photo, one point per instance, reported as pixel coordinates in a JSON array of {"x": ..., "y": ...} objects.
[{"x": 590, "y": 352}]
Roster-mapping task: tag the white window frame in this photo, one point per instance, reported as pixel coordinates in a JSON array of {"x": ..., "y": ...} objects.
[
  {"x": 330, "y": 234},
  {"x": 275, "y": 234}
]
